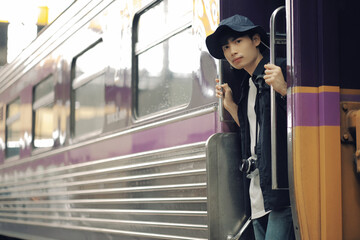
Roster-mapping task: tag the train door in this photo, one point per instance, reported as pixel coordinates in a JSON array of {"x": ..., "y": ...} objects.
[
  {"x": 322, "y": 100},
  {"x": 228, "y": 207}
]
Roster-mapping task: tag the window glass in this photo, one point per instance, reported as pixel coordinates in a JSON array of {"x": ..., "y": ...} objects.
[
  {"x": 44, "y": 126},
  {"x": 163, "y": 19},
  {"x": 88, "y": 108},
  {"x": 164, "y": 76},
  {"x": 164, "y": 57},
  {"x": 44, "y": 88},
  {"x": 91, "y": 61},
  {"x": 13, "y": 129},
  {"x": 44, "y": 114}
]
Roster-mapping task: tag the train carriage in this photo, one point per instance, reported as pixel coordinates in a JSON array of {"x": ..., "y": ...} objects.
[{"x": 110, "y": 128}]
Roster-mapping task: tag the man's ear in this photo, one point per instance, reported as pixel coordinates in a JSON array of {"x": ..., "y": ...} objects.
[{"x": 256, "y": 39}]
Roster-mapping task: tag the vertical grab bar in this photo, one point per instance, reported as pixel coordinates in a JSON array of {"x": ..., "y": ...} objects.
[
  {"x": 221, "y": 106},
  {"x": 274, "y": 184}
]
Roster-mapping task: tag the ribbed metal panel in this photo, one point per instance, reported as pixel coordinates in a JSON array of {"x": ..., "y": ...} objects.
[{"x": 157, "y": 195}]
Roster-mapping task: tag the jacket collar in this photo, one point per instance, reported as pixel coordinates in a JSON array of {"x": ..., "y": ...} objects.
[
  {"x": 259, "y": 70},
  {"x": 256, "y": 77}
]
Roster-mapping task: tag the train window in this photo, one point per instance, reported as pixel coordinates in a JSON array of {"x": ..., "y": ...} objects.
[
  {"x": 13, "y": 129},
  {"x": 43, "y": 113},
  {"x": 163, "y": 53},
  {"x": 88, "y": 92}
]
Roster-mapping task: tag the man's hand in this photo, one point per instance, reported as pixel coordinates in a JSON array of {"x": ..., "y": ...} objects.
[
  {"x": 224, "y": 91},
  {"x": 274, "y": 77}
]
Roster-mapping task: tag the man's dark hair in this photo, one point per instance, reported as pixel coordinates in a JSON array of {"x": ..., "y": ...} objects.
[{"x": 233, "y": 34}]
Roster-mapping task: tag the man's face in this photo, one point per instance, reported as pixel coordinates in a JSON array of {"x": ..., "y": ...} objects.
[{"x": 241, "y": 52}]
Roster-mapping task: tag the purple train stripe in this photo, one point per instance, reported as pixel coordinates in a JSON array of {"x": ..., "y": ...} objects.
[
  {"x": 186, "y": 129},
  {"x": 316, "y": 106}
]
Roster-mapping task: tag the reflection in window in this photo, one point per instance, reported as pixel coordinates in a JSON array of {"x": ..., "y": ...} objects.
[
  {"x": 164, "y": 57},
  {"x": 44, "y": 114},
  {"x": 167, "y": 16},
  {"x": 91, "y": 61},
  {"x": 13, "y": 129},
  {"x": 88, "y": 108},
  {"x": 164, "y": 77}
]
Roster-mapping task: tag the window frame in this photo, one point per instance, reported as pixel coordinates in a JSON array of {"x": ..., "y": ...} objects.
[
  {"x": 10, "y": 121},
  {"x": 78, "y": 82},
  {"x": 44, "y": 101},
  {"x": 138, "y": 49}
]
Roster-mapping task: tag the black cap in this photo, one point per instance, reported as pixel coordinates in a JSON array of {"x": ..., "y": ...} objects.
[{"x": 236, "y": 24}]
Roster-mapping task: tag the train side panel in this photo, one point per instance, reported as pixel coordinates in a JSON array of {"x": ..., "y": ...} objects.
[{"x": 78, "y": 158}]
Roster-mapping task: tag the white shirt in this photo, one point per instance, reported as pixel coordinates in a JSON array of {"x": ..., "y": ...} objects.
[{"x": 256, "y": 196}]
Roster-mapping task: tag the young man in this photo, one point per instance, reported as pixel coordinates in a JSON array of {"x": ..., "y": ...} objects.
[{"x": 241, "y": 43}]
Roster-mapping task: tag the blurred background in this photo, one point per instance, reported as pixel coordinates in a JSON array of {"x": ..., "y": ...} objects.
[{"x": 22, "y": 20}]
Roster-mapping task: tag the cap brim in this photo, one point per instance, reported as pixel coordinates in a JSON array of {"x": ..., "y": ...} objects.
[{"x": 213, "y": 42}]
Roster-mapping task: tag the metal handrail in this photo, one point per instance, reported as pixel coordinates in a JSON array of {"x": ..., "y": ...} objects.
[
  {"x": 272, "y": 101},
  {"x": 221, "y": 104}
]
